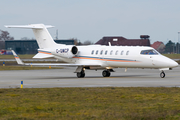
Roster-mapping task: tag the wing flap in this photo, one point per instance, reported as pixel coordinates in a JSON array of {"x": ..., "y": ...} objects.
[{"x": 61, "y": 64}]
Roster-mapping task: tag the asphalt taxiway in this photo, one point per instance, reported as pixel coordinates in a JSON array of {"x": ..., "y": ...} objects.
[{"x": 66, "y": 78}]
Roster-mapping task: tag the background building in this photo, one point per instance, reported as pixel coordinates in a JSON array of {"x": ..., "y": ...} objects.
[
  {"x": 159, "y": 46},
  {"x": 29, "y": 46},
  {"x": 121, "y": 41}
]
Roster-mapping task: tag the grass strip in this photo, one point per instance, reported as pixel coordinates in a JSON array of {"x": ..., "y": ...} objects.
[
  {"x": 172, "y": 56},
  {"x": 26, "y": 56},
  {"x": 15, "y": 63},
  {"x": 110, "y": 103},
  {"x": 26, "y": 68}
]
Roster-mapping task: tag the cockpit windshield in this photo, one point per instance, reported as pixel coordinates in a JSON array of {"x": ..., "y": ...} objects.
[{"x": 149, "y": 52}]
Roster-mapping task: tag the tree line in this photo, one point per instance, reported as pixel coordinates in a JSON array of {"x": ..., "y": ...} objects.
[
  {"x": 170, "y": 47},
  {"x": 4, "y": 35}
]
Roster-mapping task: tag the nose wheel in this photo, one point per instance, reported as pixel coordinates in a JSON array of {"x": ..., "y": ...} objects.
[{"x": 162, "y": 74}]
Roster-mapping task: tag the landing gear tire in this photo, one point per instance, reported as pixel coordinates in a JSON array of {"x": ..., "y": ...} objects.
[
  {"x": 106, "y": 73},
  {"x": 162, "y": 74},
  {"x": 81, "y": 74}
]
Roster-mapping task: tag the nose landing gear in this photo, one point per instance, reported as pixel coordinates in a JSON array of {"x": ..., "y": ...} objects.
[{"x": 162, "y": 74}]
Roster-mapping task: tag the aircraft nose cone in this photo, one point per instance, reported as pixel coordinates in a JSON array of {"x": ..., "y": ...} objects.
[{"x": 173, "y": 64}]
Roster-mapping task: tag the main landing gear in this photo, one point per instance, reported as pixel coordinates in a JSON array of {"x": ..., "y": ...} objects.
[
  {"x": 106, "y": 73},
  {"x": 80, "y": 71},
  {"x": 162, "y": 74},
  {"x": 81, "y": 74}
]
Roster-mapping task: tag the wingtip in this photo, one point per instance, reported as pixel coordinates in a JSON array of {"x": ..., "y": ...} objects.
[
  {"x": 18, "y": 60},
  {"x": 6, "y": 26}
]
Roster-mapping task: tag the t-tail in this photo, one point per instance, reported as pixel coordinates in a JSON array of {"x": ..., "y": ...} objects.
[{"x": 41, "y": 33}]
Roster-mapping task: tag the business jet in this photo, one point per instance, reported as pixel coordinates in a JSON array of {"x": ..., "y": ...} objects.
[{"x": 95, "y": 57}]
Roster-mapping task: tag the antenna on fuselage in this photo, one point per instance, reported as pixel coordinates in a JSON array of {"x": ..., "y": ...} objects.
[{"x": 109, "y": 43}]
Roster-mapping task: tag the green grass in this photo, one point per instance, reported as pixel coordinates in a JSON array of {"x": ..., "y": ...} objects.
[
  {"x": 7, "y": 63},
  {"x": 12, "y": 65},
  {"x": 172, "y": 56},
  {"x": 26, "y": 56},
  {"x": 90, "y": 103},
  {"x": 26, "y": 68}
]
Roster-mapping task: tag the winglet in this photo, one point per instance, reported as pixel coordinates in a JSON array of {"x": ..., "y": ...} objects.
[{"x": 18, "y": 60}]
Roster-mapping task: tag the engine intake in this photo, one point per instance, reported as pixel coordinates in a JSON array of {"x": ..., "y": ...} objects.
[{"x": 74, "y": 50}]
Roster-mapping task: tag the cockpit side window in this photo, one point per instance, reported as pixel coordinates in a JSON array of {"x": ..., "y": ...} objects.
[{"x": 149, "y": 52}]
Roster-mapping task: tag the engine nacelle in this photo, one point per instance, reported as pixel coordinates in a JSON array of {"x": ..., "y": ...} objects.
[{"x": 67, "y": 51}]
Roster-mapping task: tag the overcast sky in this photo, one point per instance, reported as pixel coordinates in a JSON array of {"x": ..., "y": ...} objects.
[{"x": 93, "y": 19}]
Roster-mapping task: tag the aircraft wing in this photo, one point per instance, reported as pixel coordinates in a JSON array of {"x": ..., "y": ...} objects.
[
  {"x": 61, "y": 64},
  {"x": 19, "y": 61}
]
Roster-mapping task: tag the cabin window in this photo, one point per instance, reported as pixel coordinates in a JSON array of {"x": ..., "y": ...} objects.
[
  {"x": 106, "y": 52},
  {"x": 122, "y": 52},
  {"x": 92, "y": 52},
  {"x": 101, "y": 52},
  {"x": 127, "y": 52},
  {"x": 149, "y": 52},
  {"x": 96, "y": 52},
  {"x": 116, "y": 52},
  {"x": 111, "y": 52}
]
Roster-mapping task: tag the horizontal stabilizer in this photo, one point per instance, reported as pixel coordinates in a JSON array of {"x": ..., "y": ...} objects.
[
  {"x": 31, "y": 26},
  {"x": 41, "y": 55}
]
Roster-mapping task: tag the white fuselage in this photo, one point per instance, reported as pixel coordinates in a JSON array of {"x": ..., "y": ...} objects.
[{"x": 117, "y": 56}]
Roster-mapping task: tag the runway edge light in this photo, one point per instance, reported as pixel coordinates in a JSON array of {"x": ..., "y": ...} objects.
[{"x": 21, "y": 84}]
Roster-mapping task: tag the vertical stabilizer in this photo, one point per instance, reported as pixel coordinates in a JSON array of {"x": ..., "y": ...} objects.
[
  {"x": 41, "y": 33},
  {"x": 43, "y": 37}
]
